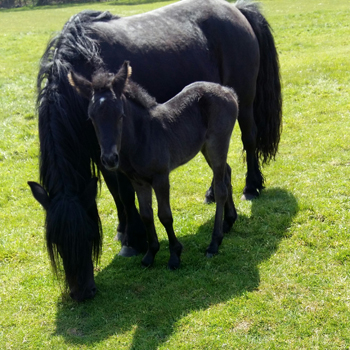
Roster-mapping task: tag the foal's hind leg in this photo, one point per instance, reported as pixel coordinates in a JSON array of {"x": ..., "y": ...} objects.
[
  {"x": 230, "y": 214},
  {"x": 162, "y": 190},
  {"x": 217, "y": 161}
]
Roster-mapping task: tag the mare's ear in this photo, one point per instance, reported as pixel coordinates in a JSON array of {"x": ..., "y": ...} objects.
[
  {"x": 40, "y": 194},
  {"x": 81, "y": 85},
  {"x": 87, "y": 198},
  {"x": 121, "y": 78}
]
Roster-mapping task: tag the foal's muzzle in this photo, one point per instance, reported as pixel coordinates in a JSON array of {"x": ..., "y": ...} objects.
[{"x": 110, "y": 161}]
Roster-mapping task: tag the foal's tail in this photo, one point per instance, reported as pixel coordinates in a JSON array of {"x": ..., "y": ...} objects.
[{"x": 268, "y": 99}]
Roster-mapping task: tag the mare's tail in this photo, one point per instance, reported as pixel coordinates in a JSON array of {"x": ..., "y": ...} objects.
[{"x": 268, "y": 99}]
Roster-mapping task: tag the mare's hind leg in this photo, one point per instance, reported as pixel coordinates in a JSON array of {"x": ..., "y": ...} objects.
[
  {"x": 162, "y": 188},
  {"x": 144, "y": 195},
  {"x": 254, "y": 178},
  {"x": 210, "y": 195},
  {"x": 230, "y": 213}
]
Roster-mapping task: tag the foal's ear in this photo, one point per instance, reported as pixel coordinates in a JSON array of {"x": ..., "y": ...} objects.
[
  {"x": 87, "y": 198},
  {"x": 120, "y": 79},
  {"x": 81, "y": 85},
  {"x": 40, "y": 194}
]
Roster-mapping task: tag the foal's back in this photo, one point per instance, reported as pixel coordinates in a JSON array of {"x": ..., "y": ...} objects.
[{"x": 202, "y": 112}]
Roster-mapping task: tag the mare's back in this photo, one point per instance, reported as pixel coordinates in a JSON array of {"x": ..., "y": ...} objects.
[{"x": 176, "y": 45}]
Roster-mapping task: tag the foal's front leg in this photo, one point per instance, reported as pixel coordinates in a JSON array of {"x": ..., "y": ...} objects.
[
  {"x": 144, "y": 195},
  {"x": 162, "y": 190}
]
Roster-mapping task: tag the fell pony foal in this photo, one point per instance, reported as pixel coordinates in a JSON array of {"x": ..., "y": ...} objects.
[{"x": 146, "y": 141}]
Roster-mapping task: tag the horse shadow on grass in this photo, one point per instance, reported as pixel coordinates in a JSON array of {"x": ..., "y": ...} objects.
[{"x": 149, "y": 303}]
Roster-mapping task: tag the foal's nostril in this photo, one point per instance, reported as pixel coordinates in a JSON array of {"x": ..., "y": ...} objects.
[{"x": 110, "y": 161}]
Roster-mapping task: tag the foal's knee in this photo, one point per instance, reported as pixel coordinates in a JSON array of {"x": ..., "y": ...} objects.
[
  {"x": 165, "y": 217},
  {"x": 146, "y": 215}
]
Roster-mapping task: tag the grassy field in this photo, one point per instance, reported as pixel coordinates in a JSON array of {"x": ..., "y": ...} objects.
[{"x": 281, "y": 280}]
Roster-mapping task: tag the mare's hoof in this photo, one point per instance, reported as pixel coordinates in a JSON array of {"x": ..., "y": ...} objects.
[
  {"x": 249, "y": 196},
  {"x": 118, "y": 236},
  {"x": 209, "y": 200},
  {"x": 209, "y": 255},
  {"x": 209, "y": 197},
  {"x": 128, "y": 252}
]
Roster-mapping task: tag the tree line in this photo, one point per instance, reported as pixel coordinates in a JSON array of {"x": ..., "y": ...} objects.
[{"x": 7, "y": 4}]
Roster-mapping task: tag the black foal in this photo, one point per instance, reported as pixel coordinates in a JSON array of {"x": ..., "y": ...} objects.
[{"x": 146, "y": 141}]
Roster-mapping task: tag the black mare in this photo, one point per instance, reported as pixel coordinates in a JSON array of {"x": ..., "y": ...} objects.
[
  {"x": 191, "y": 40},
  {"x": 146, "y": 141}
]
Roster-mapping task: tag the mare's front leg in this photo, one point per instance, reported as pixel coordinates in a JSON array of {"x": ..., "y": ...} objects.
[
  {"x": 134, "y": 241},
  {"x": 131, "y": 230},
  {"x": 162, "y": 190},
  {"x": 111, "y": 180},
  {"x": 254, "y": 178},
  {"x": 144, "y": 195}
]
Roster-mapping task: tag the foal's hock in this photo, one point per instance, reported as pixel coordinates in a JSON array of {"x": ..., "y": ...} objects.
[{"x": 146, "y": 141}]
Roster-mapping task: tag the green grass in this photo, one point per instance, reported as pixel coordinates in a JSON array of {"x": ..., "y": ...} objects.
[{"x": 281, "y": 280}]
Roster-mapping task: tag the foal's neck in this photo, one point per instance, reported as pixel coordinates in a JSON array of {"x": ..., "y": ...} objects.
[{"x": 136, "y": 126}]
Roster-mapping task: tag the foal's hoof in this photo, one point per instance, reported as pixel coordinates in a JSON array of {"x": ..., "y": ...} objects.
[
  {"x": 228, "y": 223},
  {"x": 211, "y": 251},
  {"x": 226, "y": 227},
  {"x": 147, "y": 260},
  {"x": 173, "y": 264},
  {"x": 128, "y": 252}
]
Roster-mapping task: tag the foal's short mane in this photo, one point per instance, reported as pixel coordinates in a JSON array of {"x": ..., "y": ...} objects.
[
  {"x": 139, "y": 95},
  {"x": 102, "y": 80}
]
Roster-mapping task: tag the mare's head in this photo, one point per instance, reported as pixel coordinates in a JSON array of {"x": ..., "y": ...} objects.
[
  {"x": 73, "y": 236},
  {"x": 106, "y": 108}
]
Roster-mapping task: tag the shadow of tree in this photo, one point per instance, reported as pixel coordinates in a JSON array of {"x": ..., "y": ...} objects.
[{"x": 149, "y": 302}]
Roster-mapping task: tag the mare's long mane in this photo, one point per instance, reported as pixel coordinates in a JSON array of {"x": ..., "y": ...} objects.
[{"x": 66, "y": 146}]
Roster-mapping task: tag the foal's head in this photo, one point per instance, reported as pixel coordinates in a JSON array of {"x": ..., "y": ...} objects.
[{"x": 106, "y": 108}]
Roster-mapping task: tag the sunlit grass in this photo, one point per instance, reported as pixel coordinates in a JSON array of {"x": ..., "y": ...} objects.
[{"x": 281, "y": 280}]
